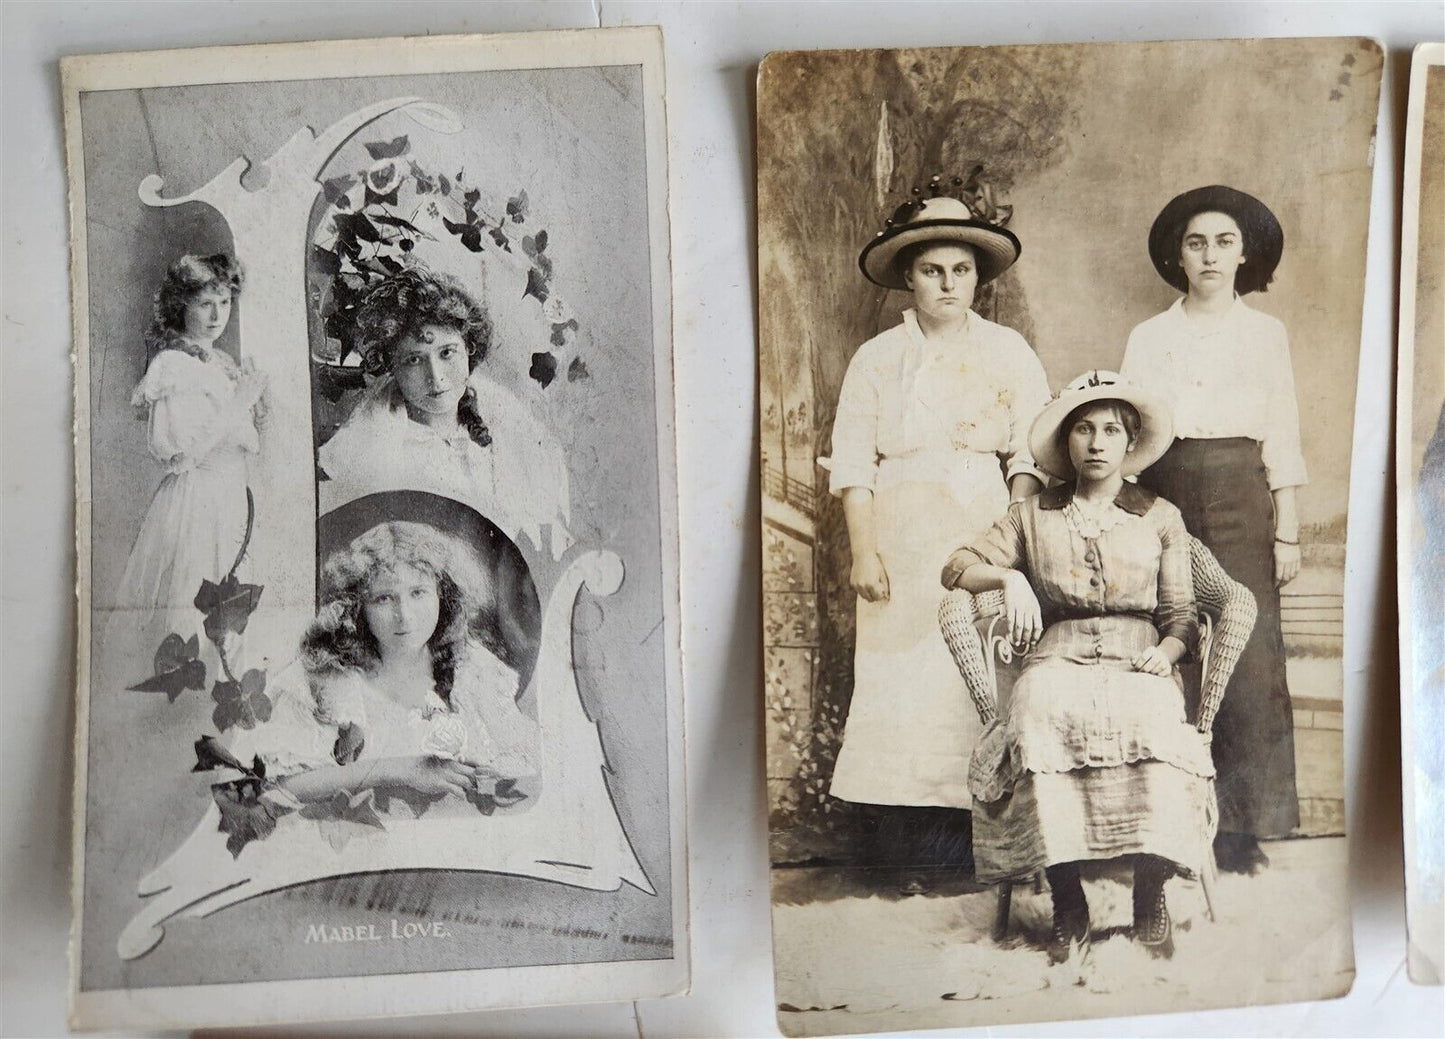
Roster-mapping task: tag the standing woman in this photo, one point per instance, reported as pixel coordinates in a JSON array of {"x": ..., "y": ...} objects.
[
  {"x": 201, "y": 410},
  {"x": 1225, "y": 370},
  {"x": 930, "y": 440}
]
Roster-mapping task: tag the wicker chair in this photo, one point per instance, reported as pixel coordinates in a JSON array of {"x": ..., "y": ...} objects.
[{"x": 970, "y": 626}]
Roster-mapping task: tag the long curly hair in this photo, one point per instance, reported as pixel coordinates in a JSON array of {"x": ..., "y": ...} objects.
[
  {"x": 407, "y": 302},
  {"x": 184, "y": 280},
  {"x": 339, "y": 639}
]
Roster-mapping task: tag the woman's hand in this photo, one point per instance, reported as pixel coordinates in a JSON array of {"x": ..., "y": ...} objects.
[
  {"x": 251, "y": 386},
  {"x": 1286, "y": 563},
  {"x": 429, "y": 776},
  {"x": 868, "y": 578},
  {"x": 1021, "y": 610},
  {"x": 1153, "y": 661}
]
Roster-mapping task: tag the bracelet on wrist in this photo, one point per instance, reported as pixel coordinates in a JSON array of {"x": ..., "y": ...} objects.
[{"x": 1285, "y": 541}]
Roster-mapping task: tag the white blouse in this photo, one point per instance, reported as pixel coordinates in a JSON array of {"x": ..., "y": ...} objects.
[
  {"x": 1230, "y": 380},
  {"x": 519, "y": 481},
  {"x": 910, "y": 399},
  {"x": 188, "y": 404}
]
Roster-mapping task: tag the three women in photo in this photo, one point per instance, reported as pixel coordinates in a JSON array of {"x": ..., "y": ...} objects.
[
  {"x": 929, "y": 443},
  {"x": 1224, "y": 369}
]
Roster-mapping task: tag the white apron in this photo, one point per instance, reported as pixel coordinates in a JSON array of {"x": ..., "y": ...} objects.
[{"x": 911, "y": 725}]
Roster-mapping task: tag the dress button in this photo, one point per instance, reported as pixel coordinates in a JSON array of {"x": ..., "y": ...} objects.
[
  {"x": 1098, "y": 651},
  {"x": 1094, "y": 581},
  {"x": 1089, "y": 556}
]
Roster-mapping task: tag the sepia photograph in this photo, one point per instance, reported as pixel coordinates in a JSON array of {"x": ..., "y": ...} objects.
[
  {"x": 1420, "y": 514},
  {"x": 1058, "y": 356},
  {"x": 379, "y": 689}
]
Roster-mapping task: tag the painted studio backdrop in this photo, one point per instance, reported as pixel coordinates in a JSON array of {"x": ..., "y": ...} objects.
[
  {"x": 513, "y": 205},
  {"x": 1075, "y": 150}
]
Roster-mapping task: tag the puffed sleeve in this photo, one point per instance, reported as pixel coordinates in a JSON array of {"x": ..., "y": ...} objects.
[
  {"x": 184, "y": 422},
  {"x": 855, "y": 430},
  {"x": 1175, "y": 615},
  {"x": 1284, "y": 462},
  {"x": 1030, "y": 394},
  {"x": 1003, "y": 546}
]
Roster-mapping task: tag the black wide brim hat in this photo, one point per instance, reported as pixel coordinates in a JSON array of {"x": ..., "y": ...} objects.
[
  {"x": 939, "y": 220},
  {"x": 1263, "y": 236}
]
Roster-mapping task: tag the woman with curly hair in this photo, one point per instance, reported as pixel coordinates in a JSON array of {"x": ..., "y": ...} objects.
[
  {"x": 430, "y": 421},
  {"x": 201, "y": 409},
  {"x": 405, "y": 693}
]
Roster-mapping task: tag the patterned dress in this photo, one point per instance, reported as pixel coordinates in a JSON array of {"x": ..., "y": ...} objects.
[{"x": 1090, "y": 758}]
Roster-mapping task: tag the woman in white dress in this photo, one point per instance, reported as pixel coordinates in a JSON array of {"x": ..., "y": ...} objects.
[
  {"x": 405, "y": 694},
  {"x": 430, "y": 421},
  {"x": 201, "y": 409},
  {"x": 1225, "y": 370},
  {"x": 929, "y": 444}
]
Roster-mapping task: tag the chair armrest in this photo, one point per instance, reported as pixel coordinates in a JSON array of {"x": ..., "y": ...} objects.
[
  {"x": 1236, "y": 609},
  {"x": 957, "y": 614}
]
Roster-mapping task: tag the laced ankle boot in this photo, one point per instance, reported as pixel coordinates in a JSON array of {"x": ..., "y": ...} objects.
[
  {"x": 1071, "y": 914},
  {"x": 1152, "y": 927}
]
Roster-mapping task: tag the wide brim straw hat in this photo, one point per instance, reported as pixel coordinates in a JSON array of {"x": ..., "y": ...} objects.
[
  {"x": 1156, "y": 429},
  {"x": 1263, "y": 235},
  {"x": 941, "y": 219}
]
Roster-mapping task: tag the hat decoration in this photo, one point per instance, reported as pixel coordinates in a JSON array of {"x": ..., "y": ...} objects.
[{"x": 956, "y": 209}]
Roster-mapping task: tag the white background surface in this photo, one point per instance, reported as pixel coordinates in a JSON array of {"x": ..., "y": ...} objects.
[{"x": 712, "y": 53}]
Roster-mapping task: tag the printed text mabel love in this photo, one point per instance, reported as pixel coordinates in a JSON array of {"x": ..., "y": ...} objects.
[{"x": 408, "y": 930}]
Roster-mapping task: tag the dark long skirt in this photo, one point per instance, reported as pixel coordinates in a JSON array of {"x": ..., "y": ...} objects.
[{"x": 1221, "y": 488}]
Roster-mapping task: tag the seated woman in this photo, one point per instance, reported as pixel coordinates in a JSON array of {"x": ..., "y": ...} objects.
[
  {"x": 407, "y": 697},
  {"x": 1093, "y": 758}
]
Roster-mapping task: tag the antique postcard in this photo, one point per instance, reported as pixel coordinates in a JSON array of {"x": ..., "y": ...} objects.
[
  {"x": 1420, "y": 513},
  {"x": 379, "y": 689},
  {"x": 1058, "y": 348}
]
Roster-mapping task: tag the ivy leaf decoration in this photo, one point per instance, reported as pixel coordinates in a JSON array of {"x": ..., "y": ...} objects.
[
  {"x": 210, "y": 755},
  {"x": 517, "y": 207},
  {"x": 536, "y": 285},
  {"x": 444, "y": 185},
  {"x": 248, "y": 811},
  {"x": 534, "y": 245},
  {"x": 470, "y": 198},
  {"x": 325, "y": 261},
  {"x": 544, "y": 369},
  {"x": 343, "y": 813},
  {"x": 560, "y": 330},
  {"x": 500, "y": 237},
  {"x": 227, "y": 606},
  {"x": 577, "y": 370},
  {"x": 336, "y": 189},
  {"x": 242, "y": 703},
  {"x": 177, "y": 668},
  {"x": 388, "y": 149}
]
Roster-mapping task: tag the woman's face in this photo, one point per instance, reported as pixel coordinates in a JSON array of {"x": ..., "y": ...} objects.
[
  {"x": 431, "y": 369},
  {"x": 401, "y": 610},
  {"x": 1211, "y": 253},
  {"x": 207, "y": 314},
  {"x": 943, "y": 278},
  {"x": 1098, "y": 443}
]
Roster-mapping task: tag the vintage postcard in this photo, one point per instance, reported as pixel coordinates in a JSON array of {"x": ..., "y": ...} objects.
[
  {"x": 1058, "y": 359},
  {"x": 1420, "y": 513},
  {"x": 379, "y": 688}
]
